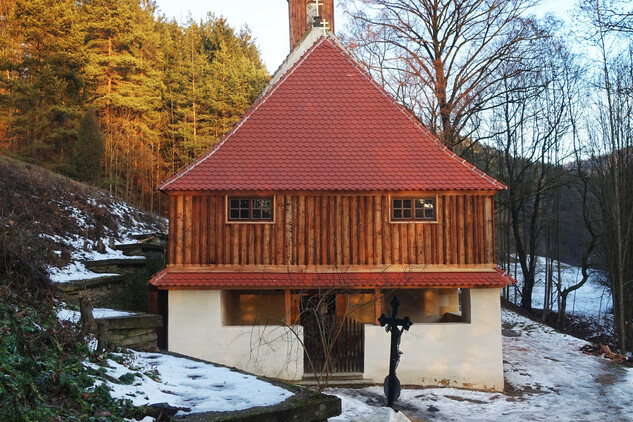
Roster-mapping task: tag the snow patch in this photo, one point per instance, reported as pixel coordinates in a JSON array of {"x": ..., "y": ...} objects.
[
  {"x": 547, "y": 378},
  {"x": 181, "y": 382},
  {"x": 128, "y": 225},
  {"x": 65, "y": 314}
]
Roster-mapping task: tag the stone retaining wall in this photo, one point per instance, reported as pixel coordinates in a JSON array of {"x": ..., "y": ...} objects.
[{"x": 137, "y": 332}]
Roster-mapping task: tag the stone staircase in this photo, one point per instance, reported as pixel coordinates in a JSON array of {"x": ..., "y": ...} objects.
[{"x": 138, "y": 331}]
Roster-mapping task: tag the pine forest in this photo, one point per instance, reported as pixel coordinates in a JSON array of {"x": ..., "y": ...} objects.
[{"x": 111, "y": 93}]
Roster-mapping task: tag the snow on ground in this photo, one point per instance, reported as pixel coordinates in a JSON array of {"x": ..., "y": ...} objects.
[
  {"x": 199, "y": 386},
  {"x": 65, "y": 314},
  {"x": 547, "y": 379},
  {"x": 82, "y": 249},
  {"x": 592, "y": 300}
]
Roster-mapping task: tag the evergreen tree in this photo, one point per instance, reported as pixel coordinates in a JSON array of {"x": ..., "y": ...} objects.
[
  {"x": 212, "y": 79},
  {"x": 163, "y": 92},
  {"x": 41, "y": 79},
  {"x": 121, "y": 48},
  {"x": 89, "y": 149}
]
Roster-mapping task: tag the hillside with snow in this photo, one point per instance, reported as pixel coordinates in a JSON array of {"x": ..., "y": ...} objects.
[
  {"x": 547, "y": 379},
  {"x": 66, "y": 221}
]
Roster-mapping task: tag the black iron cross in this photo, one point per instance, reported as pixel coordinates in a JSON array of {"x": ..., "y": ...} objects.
[{"x": 392, "y": 384}]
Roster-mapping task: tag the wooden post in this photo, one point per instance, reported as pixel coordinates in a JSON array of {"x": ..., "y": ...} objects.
[
  {"x": 180, "y": 229},
  {"x": 280, "y": 230},
  {"x": 369, "y": 223},
  {"x": 266, "y": 260},
  {"x": 289, "y": 222},
  {"x": 188, "y": 228},
  {"x": 301, "y": 238},
  {"x": 377, "y": 231},
  {"x": 353, "y": 217},
  {"x": 309, "y": 237},
  {"x": 212, "y": 259},
  {"x": 362, "y": 231}
]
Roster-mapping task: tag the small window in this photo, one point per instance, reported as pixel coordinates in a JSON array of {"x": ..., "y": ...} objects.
[
  {"x": 413, "y": 209},
  {"x": 250, "y": 209}
]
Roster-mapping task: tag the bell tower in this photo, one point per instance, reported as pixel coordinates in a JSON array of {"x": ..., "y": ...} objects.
[{"x": 305, "y": 14}]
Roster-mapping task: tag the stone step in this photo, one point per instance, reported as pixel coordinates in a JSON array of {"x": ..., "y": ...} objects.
[
  {"x": 148, "y": 250},
  {"x": 98, "y": 287},
  {"x": 144, "y": 236},
  {"x": 350, "y": 379},
  {"x": 114, "y": 265},
  {"x": 88, "y": 283},
  {"x": 338, "y": 383},
  {"x": 337, "y": 375},
  {"x": 138, "y": 332}
]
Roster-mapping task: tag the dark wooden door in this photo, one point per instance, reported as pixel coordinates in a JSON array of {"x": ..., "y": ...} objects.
[{"x": 333, "y": 344}]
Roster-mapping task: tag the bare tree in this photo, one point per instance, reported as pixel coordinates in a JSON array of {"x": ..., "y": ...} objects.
[
  {"x": 448, "y": 52},
  {"x": 527, "y": 125},
  {"x": 323, "y": 322},
  {"x": 612, "y": 133}
]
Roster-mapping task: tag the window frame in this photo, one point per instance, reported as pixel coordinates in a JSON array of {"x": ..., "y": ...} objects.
[
  {"x": 412, "y": 219},
  {"x": 250, "y": 219}
]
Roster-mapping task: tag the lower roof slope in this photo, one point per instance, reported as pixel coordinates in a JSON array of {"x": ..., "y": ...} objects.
[
  {"x": 327, "y": 125},
  {"x": 174, "y": 279}
]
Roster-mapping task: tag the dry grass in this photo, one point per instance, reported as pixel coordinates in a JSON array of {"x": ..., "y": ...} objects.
[{"x": 35, "y": 202}]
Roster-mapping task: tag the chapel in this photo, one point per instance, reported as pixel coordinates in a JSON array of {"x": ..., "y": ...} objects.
[{"x": 290, "y": 237}]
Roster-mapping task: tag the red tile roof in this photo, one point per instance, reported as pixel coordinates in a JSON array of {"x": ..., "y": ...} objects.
[
  {"x": 170, "y": 278},
  {"x": 327, "y": 125}
]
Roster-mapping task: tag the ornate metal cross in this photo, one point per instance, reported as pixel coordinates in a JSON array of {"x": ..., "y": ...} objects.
[{"x": 392, "y": 384}]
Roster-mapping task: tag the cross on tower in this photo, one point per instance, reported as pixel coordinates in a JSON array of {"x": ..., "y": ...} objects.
[
  {"x": 325, "y": 25},
  {"x": 392, "y": 385},
  {"x": 317, "y": 3}
]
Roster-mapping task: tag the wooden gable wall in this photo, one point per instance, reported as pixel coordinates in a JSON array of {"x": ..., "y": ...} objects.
[{"x": 331, "y": 229}]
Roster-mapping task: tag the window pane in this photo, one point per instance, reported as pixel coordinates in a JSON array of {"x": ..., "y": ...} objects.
[
  {"x": 250, "y": 209},
  {"x": 397, "y": 203},
  {"x": 397, "y": 213},
  {"x": 406, "y": 213},
  {"x": 406, "y": 203},
  {"x": 419, "y": 212},
  {"x": 419, "y": 203},
  {"x": 429, "y": 213}
]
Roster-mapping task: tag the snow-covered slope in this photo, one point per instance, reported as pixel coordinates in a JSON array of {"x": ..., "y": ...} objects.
[
  {"x": 64, "y": 222},
  {"x": 591, "y": 303},
  {"x": 593, "y": 299},
  {"x": 547, "y": 379},
  {"x": 125, "y": 221},
  {"x": 185, "y": 383}
]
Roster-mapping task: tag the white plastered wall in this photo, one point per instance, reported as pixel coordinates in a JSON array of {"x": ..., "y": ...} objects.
[
  {"x": 195, "y": 329},
  {"x": 445, "y": 354}
]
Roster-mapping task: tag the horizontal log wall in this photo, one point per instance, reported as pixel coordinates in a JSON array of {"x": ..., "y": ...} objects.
[{"x": 332, "y": 230}]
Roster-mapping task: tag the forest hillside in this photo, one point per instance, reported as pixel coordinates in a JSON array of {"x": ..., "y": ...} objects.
[
  {"x": 112, "y": 93},
  {"x": 45, "y": 221}
]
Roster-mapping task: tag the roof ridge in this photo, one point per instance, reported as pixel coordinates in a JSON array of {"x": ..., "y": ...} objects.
[
  {"x": 414, "y": 119},
  {"x": 244, "y": 118}
]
